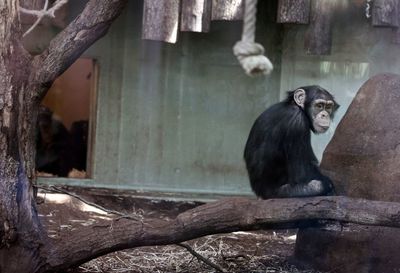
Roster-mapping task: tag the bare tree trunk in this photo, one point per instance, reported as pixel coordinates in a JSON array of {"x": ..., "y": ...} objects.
[{"x": 20, "y": 230}]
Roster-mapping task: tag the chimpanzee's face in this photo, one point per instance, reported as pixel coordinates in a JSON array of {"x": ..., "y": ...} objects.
[
  {"x": 321, "y": 111},
  {"x": 318, "y": 104}
]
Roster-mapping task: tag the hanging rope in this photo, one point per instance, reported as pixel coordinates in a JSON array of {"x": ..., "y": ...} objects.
[{"x": 250, "y": 54}]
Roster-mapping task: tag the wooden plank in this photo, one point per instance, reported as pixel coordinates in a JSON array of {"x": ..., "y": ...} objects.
[
  {"x": 196, "y": 15},
  {"x": 160, "y": 20},
  {"x": 318, "y": 37},
  {"x": 293, "y": 11},
  {"x": 396, "y": 36},
  {"x": 385, "y": 13},
  {"x": 396, "y": 31},
  {"x": 227, "y": 10}
]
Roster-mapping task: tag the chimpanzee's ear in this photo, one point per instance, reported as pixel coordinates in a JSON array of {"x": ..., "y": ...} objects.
[{"x": 300, "y": 97}]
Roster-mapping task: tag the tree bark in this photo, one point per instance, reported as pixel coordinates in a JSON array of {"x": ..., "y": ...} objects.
[{"x": 226, "y": 215}]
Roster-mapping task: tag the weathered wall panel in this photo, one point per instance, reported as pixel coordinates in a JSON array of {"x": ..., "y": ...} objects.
[
  {"x": 187, "y": 110},
  {"x": 176, "y": 117}
]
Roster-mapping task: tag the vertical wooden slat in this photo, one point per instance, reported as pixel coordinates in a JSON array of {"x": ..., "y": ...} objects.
[
  {"x": 318, "y": 37},
  {"x": 160, "y": 20},
  {"x": 227, "y": 10},
  {"x": 293, "y": 11},
  {"x": 396, "y": 31},
  {"x": 396, "y": 36},
  {"x": 385, "y": 13},
  {"x": 196, "y": 15}
]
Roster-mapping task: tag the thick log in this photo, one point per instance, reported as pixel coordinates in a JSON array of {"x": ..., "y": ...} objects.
[
  {"x": 318, "y": 37},
  {"x": 160, "y": 20},
  {"x": 226, "y": 215},
  {"x": 293, "y": 11},
  {"x": 196, "y": 15},
  {"x": 385, "y": 13},
  {"x": 227, "y": 10}
]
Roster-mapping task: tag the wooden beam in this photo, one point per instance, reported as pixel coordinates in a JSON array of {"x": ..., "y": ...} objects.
[
  {"x": 385, "y": 13},
  {"x": 318, "y": 37},
  {"x": 160, "y": 20},
  {"x": 293, "y": 11},
  {"x": 227, "y": 10},
  {"x": 196, "y": 15}
]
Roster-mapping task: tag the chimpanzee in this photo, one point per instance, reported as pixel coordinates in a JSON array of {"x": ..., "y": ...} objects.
[
  {"x": 278, "y": 154},
  {"x": 79, "y": 143},
  {"x": 52, "y": 145}
]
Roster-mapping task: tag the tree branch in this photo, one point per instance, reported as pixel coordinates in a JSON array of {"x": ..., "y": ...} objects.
[
  {"x": 226, "y": 215},
  {"x": 92, "y": 24},
  {"x": 41, "y": 14},
  {"x": 201, "y": 258}
]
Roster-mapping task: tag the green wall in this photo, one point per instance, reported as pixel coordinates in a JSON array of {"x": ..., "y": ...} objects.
[{"x": 176, "y": 117}]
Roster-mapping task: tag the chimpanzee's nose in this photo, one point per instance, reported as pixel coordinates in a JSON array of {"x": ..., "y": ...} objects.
[{"x": 324, "y": 114}]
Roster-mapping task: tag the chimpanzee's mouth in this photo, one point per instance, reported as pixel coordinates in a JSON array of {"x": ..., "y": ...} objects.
[{"x": 321, "y": 128}]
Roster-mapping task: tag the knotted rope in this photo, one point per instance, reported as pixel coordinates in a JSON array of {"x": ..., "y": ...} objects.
[{"x": 250, "y": 54}]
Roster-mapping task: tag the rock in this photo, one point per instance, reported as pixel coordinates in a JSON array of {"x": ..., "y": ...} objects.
[
  {"x": 363, "y": 157},
  {"x": 363, "y": 160}
]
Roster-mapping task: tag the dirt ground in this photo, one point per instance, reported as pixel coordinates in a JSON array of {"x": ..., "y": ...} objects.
[{"x": 261, "y": 251}]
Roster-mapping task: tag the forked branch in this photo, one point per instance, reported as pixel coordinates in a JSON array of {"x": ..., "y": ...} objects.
[{"x": 92, "y": 23}]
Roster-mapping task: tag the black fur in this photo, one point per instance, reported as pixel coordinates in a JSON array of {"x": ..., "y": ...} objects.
[{"x": 278, "y": 151}]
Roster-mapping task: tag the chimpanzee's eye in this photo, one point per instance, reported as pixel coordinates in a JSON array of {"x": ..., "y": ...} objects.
[
  {"x": 329, "y": 107},
  {"x": 319, "y": 106}
]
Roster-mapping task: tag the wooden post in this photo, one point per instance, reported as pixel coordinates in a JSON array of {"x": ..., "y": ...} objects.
[
  {"x": 396, "y": 36},
  {"x": 396, "y": 31},
  {"x": 318, "y": 37},
  {"x": 385, "y": 13},
  {"x": 196, "y": 15},
  {"x": 227, "y": 10},
  {"x": 160, "y": 20},
  {"x": 293, "y": 11}
]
